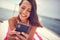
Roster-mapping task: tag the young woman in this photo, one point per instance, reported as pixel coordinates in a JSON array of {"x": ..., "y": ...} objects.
[{"x": 27, "y": 15}]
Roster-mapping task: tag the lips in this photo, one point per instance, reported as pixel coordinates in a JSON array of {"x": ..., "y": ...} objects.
[{"x": 23, "y": 15}]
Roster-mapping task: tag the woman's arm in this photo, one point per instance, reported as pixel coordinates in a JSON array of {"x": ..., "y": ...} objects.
[
  {"x": 12, "y": 23},
  {"x": 31, "y": 33},
  {"x": 12, "y": 31}
]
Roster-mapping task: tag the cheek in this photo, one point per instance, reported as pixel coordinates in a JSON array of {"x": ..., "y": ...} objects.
[
  {"x": 28, "y": 14},
  {"x": 20, "y": 10}
]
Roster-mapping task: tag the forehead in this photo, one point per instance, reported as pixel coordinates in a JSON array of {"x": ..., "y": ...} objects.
[{"x": 27, "y": 3}]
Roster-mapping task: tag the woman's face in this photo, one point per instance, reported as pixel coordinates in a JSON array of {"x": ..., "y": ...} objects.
[{"x": 24, "y": 10}]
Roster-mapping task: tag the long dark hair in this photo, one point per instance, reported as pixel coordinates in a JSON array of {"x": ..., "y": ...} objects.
[{"x": 33, "y": 19}]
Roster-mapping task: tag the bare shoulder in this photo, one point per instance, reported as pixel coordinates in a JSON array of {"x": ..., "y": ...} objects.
[
  {"x": 12, "y": 22},
  {"x": 13, "y": 18}
]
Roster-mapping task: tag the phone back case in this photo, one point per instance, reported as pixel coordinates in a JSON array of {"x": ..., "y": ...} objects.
[{"x": 22, "y": 28}]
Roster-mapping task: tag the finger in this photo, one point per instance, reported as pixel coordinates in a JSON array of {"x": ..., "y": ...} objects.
[
  {"x": 13, "y": 33},
  {"x": 11, "y": 37},
  {"x": 22, "y": 38},
  {"x": 17, "y": 38},
  {"x": 25, "y": 34},
  {"x": 17, "y": 32}
]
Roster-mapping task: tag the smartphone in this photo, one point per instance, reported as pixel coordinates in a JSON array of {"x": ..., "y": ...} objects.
[{"x": 22, "y": 28}]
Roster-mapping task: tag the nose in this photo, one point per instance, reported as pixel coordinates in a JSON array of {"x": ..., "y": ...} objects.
[{"x": 24, "y": 11}]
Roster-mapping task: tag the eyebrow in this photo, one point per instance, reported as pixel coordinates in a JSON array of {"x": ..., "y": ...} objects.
[{"x": 29, "y": 9}]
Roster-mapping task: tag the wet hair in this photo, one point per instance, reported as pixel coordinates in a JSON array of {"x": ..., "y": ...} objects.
[{"x": 33, "y": 19}]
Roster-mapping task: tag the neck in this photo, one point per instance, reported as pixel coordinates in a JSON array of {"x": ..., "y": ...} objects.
[{"x": 24, "y": 21}]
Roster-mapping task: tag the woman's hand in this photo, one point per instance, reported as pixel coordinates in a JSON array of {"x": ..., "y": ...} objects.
[
  {"x": 12, "y": 35},
  {"x": 23, "y": 36}
]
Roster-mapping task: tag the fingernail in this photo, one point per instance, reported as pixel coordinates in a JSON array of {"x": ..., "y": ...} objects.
[
  {"x": 16, "y": 37},
  {"x": 22, "y": 33},
  {"x": 18, "y": 32}
]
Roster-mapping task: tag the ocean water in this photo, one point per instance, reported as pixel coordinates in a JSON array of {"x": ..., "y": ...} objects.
[{"x": 51, "y": 24}]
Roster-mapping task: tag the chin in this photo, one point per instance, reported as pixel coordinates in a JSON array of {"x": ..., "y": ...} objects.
[{"x": 23, "y": 18}]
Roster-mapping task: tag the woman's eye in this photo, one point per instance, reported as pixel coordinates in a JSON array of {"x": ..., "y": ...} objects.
[
  {"x": 23, "y": 8},
  {"x": 29, "y": 10}
]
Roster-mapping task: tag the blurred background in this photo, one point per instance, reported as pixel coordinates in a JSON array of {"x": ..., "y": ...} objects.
[{"x": 48, "y": 13}]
